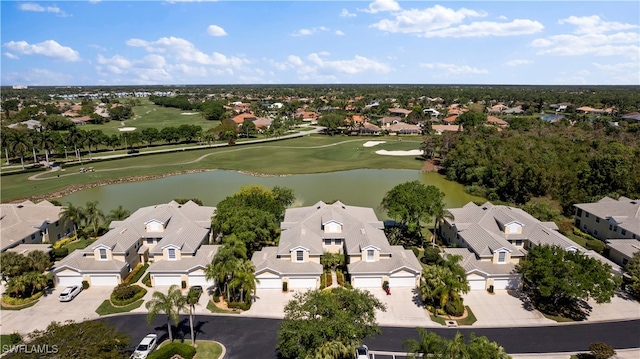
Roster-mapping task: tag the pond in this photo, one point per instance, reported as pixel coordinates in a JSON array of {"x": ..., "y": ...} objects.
[
  {"x": 552, "y": 117},
  {"x": 364, "y": 187}
]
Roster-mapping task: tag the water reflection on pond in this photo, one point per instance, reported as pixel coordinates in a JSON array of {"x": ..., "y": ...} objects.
[{"x": 363, "y": 187}]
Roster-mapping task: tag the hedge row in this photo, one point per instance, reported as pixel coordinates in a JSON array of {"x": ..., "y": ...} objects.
[
  {"x": 136, "y": 273},
  {"x": 121, "y": 303},
  {"x": 186, "y": 351},
  {"x": 8, "y": 300}
]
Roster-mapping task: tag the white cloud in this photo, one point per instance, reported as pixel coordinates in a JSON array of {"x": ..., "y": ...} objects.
[
  {"x": 39, "y": 8},
  {"x": 307, "y": 32},
  {"x": 593, "y": 24},
  {"x": 184, "y": 51},
  {"x": 346, "y": 13},
  {"x": 11, "y": 56},
  {"x": 519, "y": 62},
  {"x": 37, "y": 77},
  {"x": 592, "y": 36},
  {"x": 502, "y": 17},
  {"x": 316, "y": 66},
  {"x": 452, "y": 69},
  {"x": 48, "y": 48},
  {"x": 488, "y": 28},
  {"x": 382, "y": 5},
  {"x": 215, "y": 30},
  {"x": 425, "y": 20},
  {"x": 339, "y": 33},
  {"x": 623, "y": 66}
]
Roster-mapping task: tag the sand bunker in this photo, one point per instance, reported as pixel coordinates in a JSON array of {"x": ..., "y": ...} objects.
[
  {"x": 126, "y": 129},
  {"x": 399, "y": 153},
  {"x": 372, "y": 143},
  {"x": 189, "y": 113}
]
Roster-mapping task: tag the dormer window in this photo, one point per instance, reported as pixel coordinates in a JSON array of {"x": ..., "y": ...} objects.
[
  {"x": 370, "y": 255},
  {"x": 103, "y": 254},
  {"x": 502, "y": 256},
  {"x": 171, "y": 254},
  {"x": 299, "y": 256}
]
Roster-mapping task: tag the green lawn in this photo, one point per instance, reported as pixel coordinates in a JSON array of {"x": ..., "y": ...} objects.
[
  {"x": 468, "y": 320},
  {"x": 106, "y": 308},
  {"x": 79, "y": 244},
  {"x": 214, "y": 309},
  {"x": 317, "y": 153},
  {"x": 5, "y": 342},
  {"x": 208, "y": 349}
]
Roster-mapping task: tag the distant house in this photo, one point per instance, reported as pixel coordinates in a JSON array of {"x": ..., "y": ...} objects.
[
  {"x": 401, "y": 128},
  {"x": 307, "y": 116},
  {"x": 369, "y": 129},
  {"x": 400, "y": 112},
  {"x": 622, "y": 250},
  {"x": 260, "y": 122},
  {"x": 593, "y": 111},
  {"x": 450, "y": 119},
  {"x": 439, "y": 129},
  {"x": 30, "y": 223},
  {"x": 171, "y": 235},
  {"x": 609, "y": 218},
  {"x": 387, "y": 121},
  {"x": 498, "y": 122},
  {"x": 633, "y": 116},
  {"x": 496, "y": 238},
  {"x": 355, "y": 232}
]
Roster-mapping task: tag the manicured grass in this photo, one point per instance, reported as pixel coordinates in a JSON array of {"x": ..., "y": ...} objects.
[
  {"x": 557, "y": 318},
  {"x": 581, "y": 241},
  {"x": 208, "y": 349},
  {"x": 106, "y": 308},
  {"x": 318, "y": 154},
  {"x": 79, "y": 244},
  {"x": 214, "y": 309},
  {"x": 5, "y": 342},
  {"x": 468, "y": 320}
]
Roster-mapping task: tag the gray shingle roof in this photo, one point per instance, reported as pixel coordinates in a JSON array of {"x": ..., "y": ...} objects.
[
  {"x": 203, "y": 256},
  {"x": 400, "y": 259},
  {"x": 266, "y": 260},
  {"x": 608, "y": 207},
  {"x": 18, "y": 221},
  {"x": 471, "y": 263},
  {"x": 81, "y": 262},
  {"x": 628, "y": 247}
]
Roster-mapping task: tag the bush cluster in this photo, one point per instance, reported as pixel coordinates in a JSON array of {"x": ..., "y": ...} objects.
[
  {"x": 85, "y": 284},
  {"x": 63, "y": 242},
  {"x": 454, "y": 307},
  {"x": 147, "y": 280},
  {"x": 340, "y": 277},
  {"x": 431, "y": 256},
  {"x": 186, "y": 351},
  {"x": 240, "y": 305},
  {"x": 7, "y": 299},
  {"x": 125, "y": 294},
  {"x": 136, "y": 273},
  {"x": 59, "y": 253}
]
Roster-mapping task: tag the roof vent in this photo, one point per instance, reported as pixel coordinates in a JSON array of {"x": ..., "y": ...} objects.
[
  {"x": 484, "y": 208},
  {"x": 362, "y": 230},
  {"x": 19, "y": 206}
]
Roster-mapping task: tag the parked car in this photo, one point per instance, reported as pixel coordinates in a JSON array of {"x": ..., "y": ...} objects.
[
  {"x": 133, "y": 151},
  {"x": 197, "y": 289},
  {"x": 362, "y": 352},
  {"x": 146, "y": 346},
  {"x": 69, "y": 293}
]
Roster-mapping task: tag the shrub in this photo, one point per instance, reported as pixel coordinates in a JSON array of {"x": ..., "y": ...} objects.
[
  {"x": 7, "y": 299},
  {"x": 415, "y": 251},
  {"x": 340, "y": 277},
  {"x": 147, "y": 280},
  {"x": 136, "y": 273},
  {"x": 59, "y": 253},
  {"x": 431, "y": 255},
  {"x": 595, "y": 245},
  {"x": 85, "y": 284},
  {"x": 240, "y": 305},
  {"x": 601, "y": 350},
  {"x": 323, "y": 280},
  {"x": 186, "y": 351},
  {"x": 385, "y": 284},
  {"x": 454, "y": 307},
  {"x": 15, "y": 338},
  {"x": 125, "y": 294},
  {"x": 490, "y": 289},
  {"x": 63, "y": 242},
  {"x": 216, "y": 298},
  {"x": 285, "y": 286}
]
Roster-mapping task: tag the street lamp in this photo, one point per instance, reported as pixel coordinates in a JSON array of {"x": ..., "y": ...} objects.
[{"x": 66, "y": 156}]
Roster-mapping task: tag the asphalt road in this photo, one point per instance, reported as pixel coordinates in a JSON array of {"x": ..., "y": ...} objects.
[{"x": 256, "y": 337}]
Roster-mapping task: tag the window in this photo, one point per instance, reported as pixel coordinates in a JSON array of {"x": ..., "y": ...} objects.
[
  {"x": 584, "y": 226},
  {"x": 610, "y": 227},
  {"x": 579, "y": 212},
  {"x": 595, "y": 232},
  {"x": 597, "y": 219},
  {"x": 149, "y": 240},
  {"x": 59, "y": 235},
  {"x": 502, "y": 256},
  {"x": 338, "y": 241},
  {"x": 578, "y": 223},
  {"x": 586, "y": 214},
  {"x": 615, "y": 228},
  {"x": 623, "y": 232},
  {"x": 370, "y": 254},
  {"x": 103, "y": 254},
  {"x": 518, "y": 242},
  {"x": 33, "y": 236},
  {"x": 327, "y": 241},
  {"x": 172, "y": 253},
  {"x": 126, "y": 254},
  {"x": 57, "y": 223},
  {"x": 299, "y": 256}
]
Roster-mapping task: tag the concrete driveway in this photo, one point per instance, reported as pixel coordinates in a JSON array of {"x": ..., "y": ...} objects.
[
  {"x": 269, "y": 303},
  {"x": 502, "y": 309},
  {"x": 49, "y": 309}
]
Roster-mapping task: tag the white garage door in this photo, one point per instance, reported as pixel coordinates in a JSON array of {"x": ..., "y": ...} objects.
[
  {"x": 67, "y": 281},
  {"x": 402, "y": 282},
  {"x": 199, "y": 280},
  {"x": 269, "y": 283},
  {"x": 302, "y": 283},
  {"x": 167, "y": 280},
  {"x": 366, "y": 282},
  {"x": 499, "y": 284},
  {"x": 104, "y": 280},
  {"x": 477, "y": 284}
]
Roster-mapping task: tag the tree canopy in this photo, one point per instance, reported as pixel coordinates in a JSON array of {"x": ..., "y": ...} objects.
[
  {"x": 413, "y": 202},
  {"x": 633, "y": 269},
  {"x": 432, "y": 345},
  {"x": 316, "y": 321},
  {"x": 332, "y": 121},
  {"x": 556, "y": 280},
  {"x": 89, "y": 339}
]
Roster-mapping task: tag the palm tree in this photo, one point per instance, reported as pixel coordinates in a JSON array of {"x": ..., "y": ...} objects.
[
  {"x": 169, "y": 304},
  {"x": 244, "y": 277},
  {"x": 73, "y": 214},
  {"x": 118, "y": 214},
  {"x": 429, "y": 343},
  {"x": 75, "y": 136},
  {"x": 94, "y": 216},
  {"x": 33, "y": 137},
  {"x": 334, "y": 349},
  {"x": 20, "y": 145},
  {"x": 39, "y": 261},
  {"x": 440, "y": 214},
  {"x": 191, "y": 299},
  {"x": 456, "y": 348},
  {"x": 47, "y": 142},
  {"x": 226, "y": 262}
]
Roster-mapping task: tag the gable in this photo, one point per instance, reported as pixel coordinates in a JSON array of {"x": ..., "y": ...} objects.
[
  {"x": 154, "y": 225},
  {"x": 332, "y": 226}
]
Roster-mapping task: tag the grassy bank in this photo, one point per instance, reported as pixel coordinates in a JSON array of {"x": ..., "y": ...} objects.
[{"x": 311, "y": 154}]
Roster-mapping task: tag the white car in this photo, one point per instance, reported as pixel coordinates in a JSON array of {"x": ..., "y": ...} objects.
[
  {"x": 146, "y": 346},
  {"x": 362, "y": 352},
  {"x": 69, "y": 293}
]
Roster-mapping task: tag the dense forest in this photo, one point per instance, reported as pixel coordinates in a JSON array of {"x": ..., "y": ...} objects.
[{"x": 563, "y": 162}]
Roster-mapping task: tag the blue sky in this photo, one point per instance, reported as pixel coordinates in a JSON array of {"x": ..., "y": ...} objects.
[{"x": 319, "y": 42}]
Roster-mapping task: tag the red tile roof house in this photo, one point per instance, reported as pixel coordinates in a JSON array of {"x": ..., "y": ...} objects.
[
  {"x": 439, "y": 129},
  {"x": 450, "y": 119},
  {"x": 385, "y": 122},
  {"x": 399, "y": 112},
  {"x": 497, "y": 121},
  {"x": 260, "y": 122},
  {"x": 369, "y": 129}
]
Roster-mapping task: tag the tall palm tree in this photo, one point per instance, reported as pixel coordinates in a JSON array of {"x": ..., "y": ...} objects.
[
  {"x": 75, "y": 136},
  {"x": 94, "y": 216},
  {"x": 47, "y": 142},
  {"x": 33, "y": 137},
  {"x": 440, "y": 214},
  {"x": 72, "y": 214},
  {"x": 169, "y": 304},
  {"x": 191, "y": 300},
  {"x": 118, "y": 214},
  {"x": 20, "y": 144},
  {"x": 232, "y": 252},
  {"x": 39, "y": 260},
  {"x": 334, "y": 349},
  {"x": 244, "y": 277},
  {"x": 456, "y": 348}
]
